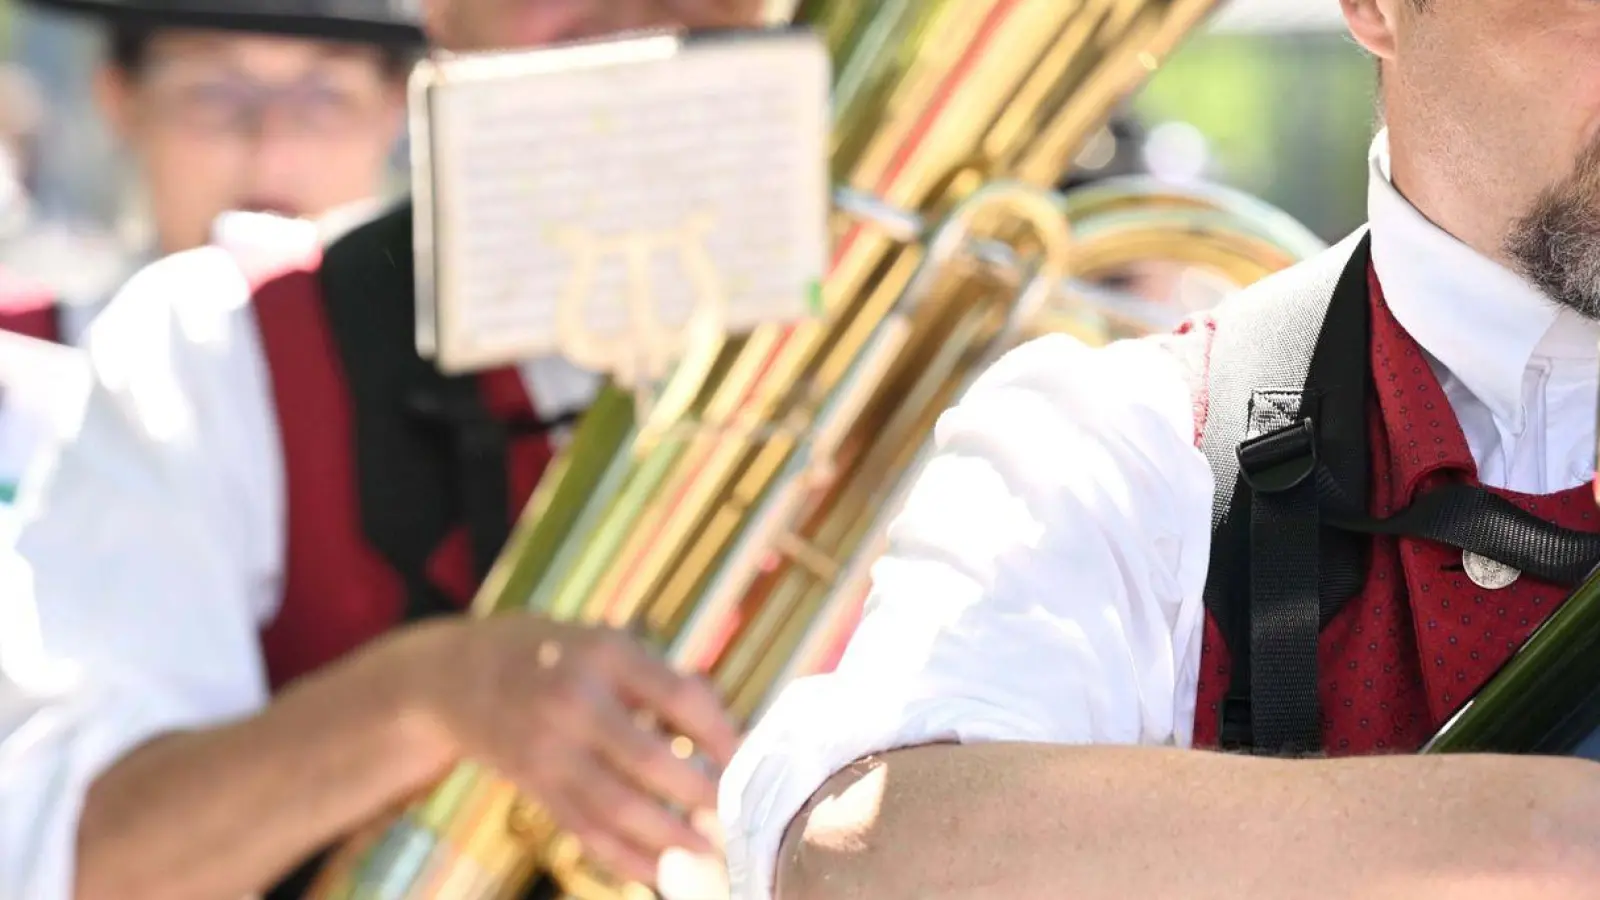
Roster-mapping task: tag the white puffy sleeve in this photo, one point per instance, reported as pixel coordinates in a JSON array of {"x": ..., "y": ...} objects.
[
  {"x": 1043, "y": 583},
  {"x": 149, "y": 557}
]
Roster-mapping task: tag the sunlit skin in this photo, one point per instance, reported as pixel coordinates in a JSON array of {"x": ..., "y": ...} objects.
[
  {"x": 1490, "y": 104},
  {"x": 218, "y": 121}
]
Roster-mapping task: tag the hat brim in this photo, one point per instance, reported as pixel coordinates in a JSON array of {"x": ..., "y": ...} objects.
[{"x": 332, "y": 28}]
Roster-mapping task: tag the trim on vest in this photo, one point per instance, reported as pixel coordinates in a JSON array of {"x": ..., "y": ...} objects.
[{"x": 427, "y": 452}]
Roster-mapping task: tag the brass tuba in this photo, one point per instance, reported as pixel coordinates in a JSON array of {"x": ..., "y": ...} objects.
[{"x": 733, "y": 527}]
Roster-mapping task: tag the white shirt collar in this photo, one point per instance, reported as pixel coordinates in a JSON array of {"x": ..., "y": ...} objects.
[
  {"x": 1480, "y": 320},
  {"x": 246, "y": 228},
  {"x": 337, "y": 222}
]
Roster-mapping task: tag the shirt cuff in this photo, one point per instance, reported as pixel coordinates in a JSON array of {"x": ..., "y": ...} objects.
[{"x": 50, "y": 754}]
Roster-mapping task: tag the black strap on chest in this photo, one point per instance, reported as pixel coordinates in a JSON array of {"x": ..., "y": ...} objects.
[
  {"x": 428, "y": 453},
  {"x": 1290, "y": 390}
]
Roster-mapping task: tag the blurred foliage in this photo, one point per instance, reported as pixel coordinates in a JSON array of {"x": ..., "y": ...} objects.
[{"x": 1289, "y": 117}]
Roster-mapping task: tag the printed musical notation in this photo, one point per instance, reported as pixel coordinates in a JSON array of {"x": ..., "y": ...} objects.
[{"x": 598, "y": 175}]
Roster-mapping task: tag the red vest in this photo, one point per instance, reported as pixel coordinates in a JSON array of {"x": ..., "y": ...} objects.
[
  {"x": 338, "y": 591},
  {"x": 28, "y": 309},
  {"x": 1420, "y": 638}
]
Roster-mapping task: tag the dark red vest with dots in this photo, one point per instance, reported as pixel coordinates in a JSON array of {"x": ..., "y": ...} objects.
[{"x": 1418, "y": 638}]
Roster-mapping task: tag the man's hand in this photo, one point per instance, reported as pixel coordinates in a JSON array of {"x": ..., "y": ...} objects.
[
  {"x": 565, "y": 712},
  {"x": 568, "y": 714}
]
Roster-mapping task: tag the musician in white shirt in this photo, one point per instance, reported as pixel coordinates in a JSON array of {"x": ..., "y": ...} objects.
[
  {"x": 1014, "y": 716},
  {"x": 143, "y": 751}
]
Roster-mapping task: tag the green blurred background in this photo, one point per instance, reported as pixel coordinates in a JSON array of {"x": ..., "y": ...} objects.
[{"x": 1288, "y": 117}]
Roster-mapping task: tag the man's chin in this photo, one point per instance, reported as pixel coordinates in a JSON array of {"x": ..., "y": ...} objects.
[{"x": 1557, "y": 248}]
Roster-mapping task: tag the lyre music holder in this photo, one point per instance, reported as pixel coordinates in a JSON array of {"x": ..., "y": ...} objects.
[{"x": 623, "y": 204}]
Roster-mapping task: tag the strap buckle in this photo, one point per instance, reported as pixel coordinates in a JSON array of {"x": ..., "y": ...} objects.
[
  {"x": 1279, "y": 460},
  {"x": 1235, "y": 734}
]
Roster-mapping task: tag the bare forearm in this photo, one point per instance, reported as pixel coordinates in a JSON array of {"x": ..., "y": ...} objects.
[
  {"x": 226, "y": 812},
  {"x": 1029, "y": 821}
]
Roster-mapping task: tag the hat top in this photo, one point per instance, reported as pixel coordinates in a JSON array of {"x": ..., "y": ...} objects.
[{"x": 382, "y": 21}]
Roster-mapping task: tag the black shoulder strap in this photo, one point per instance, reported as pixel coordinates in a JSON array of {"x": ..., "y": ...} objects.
[
  {"x": 428, "y": 452},
  {"x": 1290, "y": 386},
  {"x": 1282, "y": 396}
]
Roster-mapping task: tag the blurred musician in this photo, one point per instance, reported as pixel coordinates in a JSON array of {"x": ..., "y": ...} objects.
[
  {"x": 1055, "y": 581},
  {"x": 210, "y": 683},
  {"x": 21, "y": 115},
  {"x": 238, "y": 106},
  {"x": 220, "y": 106}
]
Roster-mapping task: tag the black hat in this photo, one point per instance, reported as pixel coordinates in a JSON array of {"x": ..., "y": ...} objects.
[{"x": 389, "y": 22}]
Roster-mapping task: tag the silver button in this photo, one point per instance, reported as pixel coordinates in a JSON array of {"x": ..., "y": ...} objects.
[{"x": 1487, "y": 573}]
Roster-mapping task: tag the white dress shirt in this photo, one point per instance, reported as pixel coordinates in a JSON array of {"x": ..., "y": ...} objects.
[
  {"x": 1043, "y": 582},
  {"x": 43, "y": 387},
  {"x": 154, "y": 549}
]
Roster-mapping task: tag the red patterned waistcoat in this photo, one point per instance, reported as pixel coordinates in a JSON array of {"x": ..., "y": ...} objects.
[{"x": 1420, "y": 638}]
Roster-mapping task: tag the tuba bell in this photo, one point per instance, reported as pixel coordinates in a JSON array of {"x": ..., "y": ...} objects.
[{"x": 733, "y": 530}]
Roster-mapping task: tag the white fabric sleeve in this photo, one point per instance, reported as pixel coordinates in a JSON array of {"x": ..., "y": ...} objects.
[
  {"x": 150, "y": 555},
  {"x": 1043, "y": 583}
]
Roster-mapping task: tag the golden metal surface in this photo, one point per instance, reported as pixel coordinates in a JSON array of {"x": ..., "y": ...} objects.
[{"x": 736, "y": 534}]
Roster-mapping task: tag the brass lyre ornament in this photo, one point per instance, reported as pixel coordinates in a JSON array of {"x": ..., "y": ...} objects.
[
  {"x": 643, "y": 351},
  {"x": 733, "y": 523}
]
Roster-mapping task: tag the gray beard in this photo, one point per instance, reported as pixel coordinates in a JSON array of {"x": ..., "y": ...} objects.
[{"x": 1556, "y": 245}]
